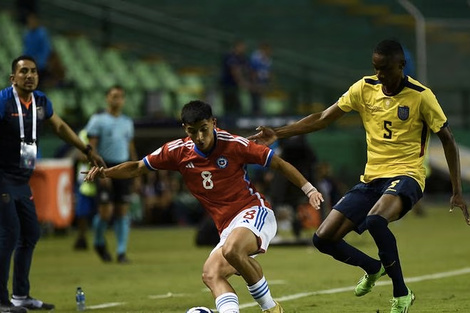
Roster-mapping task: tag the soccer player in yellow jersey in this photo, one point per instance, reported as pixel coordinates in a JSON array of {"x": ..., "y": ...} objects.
[{"x": 398, "y": 114}]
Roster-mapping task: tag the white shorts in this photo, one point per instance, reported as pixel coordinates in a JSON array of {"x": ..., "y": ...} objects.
[{"x": 260, "y": 220}]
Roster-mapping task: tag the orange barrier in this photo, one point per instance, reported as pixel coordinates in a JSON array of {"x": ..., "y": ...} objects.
[
  {"x": 308, "y": 216},
  {"x": 52, "y": 188}
]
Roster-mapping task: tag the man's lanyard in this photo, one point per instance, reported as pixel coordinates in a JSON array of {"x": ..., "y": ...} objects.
[{"x": 20, "y": 115}]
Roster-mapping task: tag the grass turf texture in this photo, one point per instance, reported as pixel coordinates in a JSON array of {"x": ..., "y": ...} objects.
[{"x": 165, "y": 272}]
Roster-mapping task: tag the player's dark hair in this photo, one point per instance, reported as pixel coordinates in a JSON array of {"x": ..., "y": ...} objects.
[
  {"x": 21, "y": 58},
  {"x": 118, "y": 87},
  {"x": 390, "y": 47},
  {"x": 195, "y": 111}
]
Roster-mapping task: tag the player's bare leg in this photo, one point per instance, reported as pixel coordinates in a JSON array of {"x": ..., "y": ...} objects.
[
  {"x": 215, "y": 274},
  {"x": 237, "y": 250},
  {"x": 240, "y": 245},
  {"x": 234, "y": 257}
]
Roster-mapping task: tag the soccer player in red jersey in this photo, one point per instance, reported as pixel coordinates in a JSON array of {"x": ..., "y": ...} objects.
[{"x": 213, "y": 164}]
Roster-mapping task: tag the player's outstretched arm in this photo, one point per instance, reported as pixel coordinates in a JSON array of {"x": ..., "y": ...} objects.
[
  {"x": 315, "y": 198},
  {"x": 451, "y": 152},
  {"x": 308, "y": 124},
  {"x": 121, "y": 171},
  {"x": 63, "y": 130}
]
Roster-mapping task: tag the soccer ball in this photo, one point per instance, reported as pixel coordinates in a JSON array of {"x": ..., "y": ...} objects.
[{"x": 199, "y": 309}]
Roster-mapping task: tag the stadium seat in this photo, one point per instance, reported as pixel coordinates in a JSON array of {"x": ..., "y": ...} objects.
[
  {"x": 182, "y": 98},
  {"x": 192, "y": 82},
  {"x": 92, "y": 102},
  {"x": 146, "y": 77},
  {"x": 58, "y": 100},
  {"x": 4, "y": 59},
  {"x": 75, "y": 69},
  {"x": 167, "y": 76},
  {"x": 64, "y": 102},
  {"x": 116, "y": 65},
  {"x": 92, "y": 61},
  {"x": 11, "y": 35},
  {"x": 133, "y": 104}
]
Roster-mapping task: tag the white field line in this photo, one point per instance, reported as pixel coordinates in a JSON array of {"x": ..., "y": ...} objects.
[
  {"x": 169, "y": 295},
  {"x": 277, "y": 282},
  {"x": 462, "y": 271},
  {"x": 104, "y": 305}
]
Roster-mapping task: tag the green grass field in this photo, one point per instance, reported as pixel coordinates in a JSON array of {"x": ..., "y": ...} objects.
[{"x": 165, "y": 272}]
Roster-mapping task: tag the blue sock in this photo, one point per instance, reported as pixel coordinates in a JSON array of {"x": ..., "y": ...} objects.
[
  {"x": 121, "y": 229},
  {"x": 388, "y": 252},
  {"x": 99, "y": 227},
  {"x": 343, "y": 252}
]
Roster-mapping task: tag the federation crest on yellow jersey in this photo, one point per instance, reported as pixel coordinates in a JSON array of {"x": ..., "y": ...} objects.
[{"x": 403, "y": 112}]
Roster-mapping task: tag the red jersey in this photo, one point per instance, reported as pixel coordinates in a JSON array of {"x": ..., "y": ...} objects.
[{"x": 219, "y": 180}]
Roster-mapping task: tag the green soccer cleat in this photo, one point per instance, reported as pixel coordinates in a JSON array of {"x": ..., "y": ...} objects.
[
  {"x": 365, "y": 284},
  {"x": 402, "y": 304}
]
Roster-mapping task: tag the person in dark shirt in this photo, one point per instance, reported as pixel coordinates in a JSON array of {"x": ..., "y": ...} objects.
[
  {"x": 260, "y": 63},
  {"x": 23, "y": 111},
  {"x": 37, "y": 44},
  {"x": 234, "y": 78}
]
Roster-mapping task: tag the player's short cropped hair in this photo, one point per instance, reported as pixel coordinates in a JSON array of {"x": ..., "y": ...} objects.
[
  {"x": 21, "y": 58},
  {"x": 389, "y": 47},
  {"x": 195, "y": 111},
  {"x": 118, "y": 87}
]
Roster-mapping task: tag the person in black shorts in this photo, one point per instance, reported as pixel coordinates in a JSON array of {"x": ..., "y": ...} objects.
[
  {"x": 398, "y": 114},
  {"x": 111, "y": 132}
]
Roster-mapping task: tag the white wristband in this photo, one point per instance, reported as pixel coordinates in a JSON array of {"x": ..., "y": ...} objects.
[{"x": 308, "y": 188}]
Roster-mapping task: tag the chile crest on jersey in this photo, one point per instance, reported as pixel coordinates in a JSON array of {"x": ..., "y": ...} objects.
[{"x": 222, "y": 162}]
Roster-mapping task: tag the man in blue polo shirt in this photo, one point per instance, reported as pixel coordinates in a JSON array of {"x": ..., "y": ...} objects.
[{"x": 23, "y": 111}]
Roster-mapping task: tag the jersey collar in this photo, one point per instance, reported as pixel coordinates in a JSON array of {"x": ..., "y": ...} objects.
[{"x": 403, "y": 83}]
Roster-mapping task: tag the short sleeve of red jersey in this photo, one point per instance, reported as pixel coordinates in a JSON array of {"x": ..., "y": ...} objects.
[
  {"x": 166, "y": 157},
  {"x": 254, "y": 153}
]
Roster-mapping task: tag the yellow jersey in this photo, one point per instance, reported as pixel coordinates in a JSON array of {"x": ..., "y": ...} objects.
[{"x": 397, "y": 126}]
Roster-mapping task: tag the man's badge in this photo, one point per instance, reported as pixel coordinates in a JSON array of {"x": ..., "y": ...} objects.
[{"x": 40, "y": 112}]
